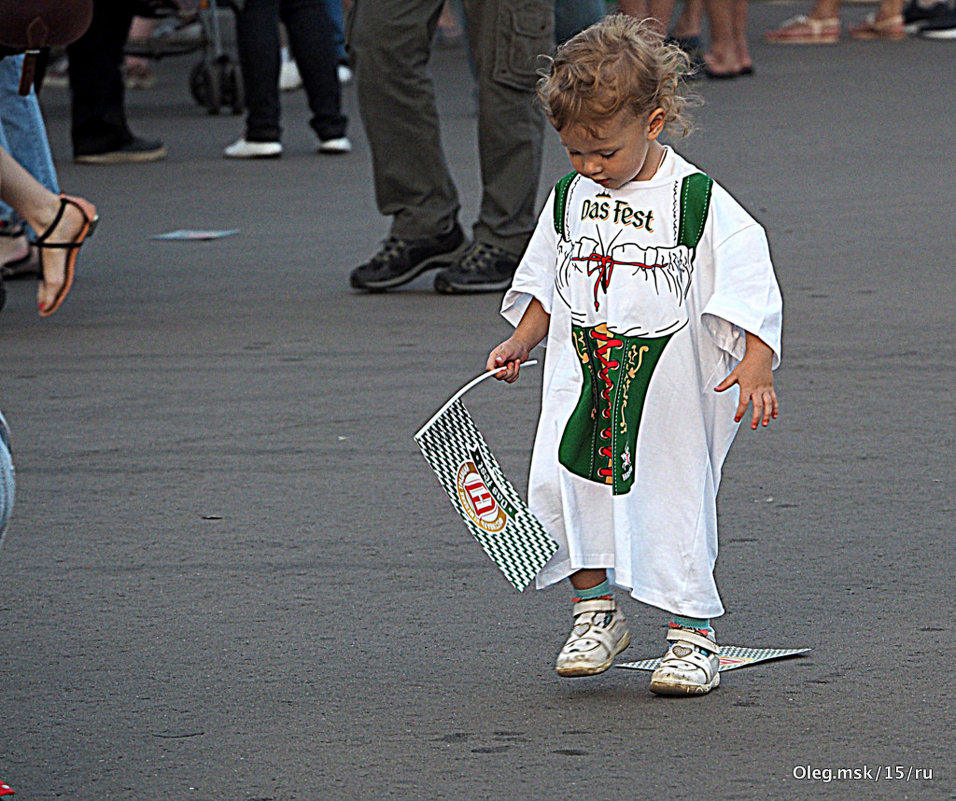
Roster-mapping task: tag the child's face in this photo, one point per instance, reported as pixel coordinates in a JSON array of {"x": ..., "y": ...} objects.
[{"x": 624, "y": 149}]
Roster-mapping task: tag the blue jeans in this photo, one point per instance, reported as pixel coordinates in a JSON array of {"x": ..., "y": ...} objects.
[
  {"x": 7, "y": 483},
  {"x": 338, "y": 26},
  {"x": 22, "y": 132}
]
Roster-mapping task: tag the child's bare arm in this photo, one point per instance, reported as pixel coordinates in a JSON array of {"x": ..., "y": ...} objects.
[
  {"x": 755, "y": 378},
  {"x": 514, "y": 350}
]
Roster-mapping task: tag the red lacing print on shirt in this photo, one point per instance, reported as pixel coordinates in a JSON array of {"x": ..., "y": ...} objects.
[
  {"x": 608, "y": 343},
  {"x": 604, "y": 267}
]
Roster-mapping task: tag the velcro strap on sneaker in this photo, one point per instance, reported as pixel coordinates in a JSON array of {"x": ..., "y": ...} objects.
[
  {"x": 594, "y": 605},
  {"x": 692, "y": 637},
  {"x": 603, "y": 636},
  {"x": 684, "y": 655}
]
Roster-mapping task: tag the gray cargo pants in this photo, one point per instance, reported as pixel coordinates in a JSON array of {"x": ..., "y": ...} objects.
[{"x": 390, "y": 41}]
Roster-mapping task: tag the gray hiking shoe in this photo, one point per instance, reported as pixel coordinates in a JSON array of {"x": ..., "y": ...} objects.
[
  {"x": 402, "y": 260},
  {"x": 481, "y": 268}
]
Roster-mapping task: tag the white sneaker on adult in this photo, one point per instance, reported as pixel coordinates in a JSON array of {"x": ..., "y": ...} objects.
[
  {"x": 598, "y": 635},
  {"x": 289, "y": 77},
  {"x": 242, "y": 149},
  {"x": 335, "y": 146},
  {"x": 690, "y": 665}
]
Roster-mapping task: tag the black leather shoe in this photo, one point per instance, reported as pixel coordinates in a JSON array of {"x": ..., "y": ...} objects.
[{"x": 402, "y": 260}]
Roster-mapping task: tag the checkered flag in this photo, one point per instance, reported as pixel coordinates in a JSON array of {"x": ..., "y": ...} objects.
[
  {"x": 492, "y": 509},
  {"x": 731, "y": 657}
]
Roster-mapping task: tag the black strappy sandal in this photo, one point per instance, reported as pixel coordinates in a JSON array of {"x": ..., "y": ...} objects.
[{"x": 90, "y": 219}]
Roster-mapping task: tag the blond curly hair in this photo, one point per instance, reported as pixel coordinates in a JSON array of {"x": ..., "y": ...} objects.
[{"x": 618, "y": 63}]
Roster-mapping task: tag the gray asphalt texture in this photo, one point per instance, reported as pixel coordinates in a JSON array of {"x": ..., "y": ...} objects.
[{"x": 230, "y": 575}]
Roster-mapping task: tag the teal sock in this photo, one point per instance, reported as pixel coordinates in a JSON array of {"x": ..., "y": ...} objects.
[
  {"x": 692, "y": 622},
  {"x": 602, "y": 589}
]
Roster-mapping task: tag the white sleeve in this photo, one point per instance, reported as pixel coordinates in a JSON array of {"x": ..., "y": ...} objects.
[
  {"x": 745, "y": 296},
  {"x": 534, "y": 277}
]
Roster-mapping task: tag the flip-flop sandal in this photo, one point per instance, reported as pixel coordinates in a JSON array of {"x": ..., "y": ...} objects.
[
  {"x": 890, "y": 29},
  {"x": 803, "y": 30},
  {"x": 90, "y": 219}
]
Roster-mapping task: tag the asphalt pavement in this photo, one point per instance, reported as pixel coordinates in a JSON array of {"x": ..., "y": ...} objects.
[{"x": 231, "y": 576}]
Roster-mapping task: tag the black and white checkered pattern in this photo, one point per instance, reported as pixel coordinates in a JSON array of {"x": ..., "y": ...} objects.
[
  {"x": 731, "y": 657},
  {"x": 522, "y": 547}
]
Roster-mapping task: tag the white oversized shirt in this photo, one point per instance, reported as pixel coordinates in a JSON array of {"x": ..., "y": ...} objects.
[{"x": 618, "y": 277}]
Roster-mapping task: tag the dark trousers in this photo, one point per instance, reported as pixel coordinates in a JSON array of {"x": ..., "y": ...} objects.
[
  {"x": 312, "y": 42},
  {"x": 98, "y": 105}
]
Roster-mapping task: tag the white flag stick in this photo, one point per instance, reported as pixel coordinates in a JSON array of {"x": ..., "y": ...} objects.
[{"x": 473, "y": 383}]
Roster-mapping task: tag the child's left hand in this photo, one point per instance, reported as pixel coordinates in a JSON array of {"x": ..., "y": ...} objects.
[{"x": 755, "y": 378}]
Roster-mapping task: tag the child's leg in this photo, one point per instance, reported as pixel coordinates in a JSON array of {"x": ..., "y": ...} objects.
[{"x": 587, "y": 578}]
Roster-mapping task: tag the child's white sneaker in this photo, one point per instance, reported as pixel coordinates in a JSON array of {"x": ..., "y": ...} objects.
[
  {"x": 598, "y": 635},
  {"x": 690, "y": 665}
]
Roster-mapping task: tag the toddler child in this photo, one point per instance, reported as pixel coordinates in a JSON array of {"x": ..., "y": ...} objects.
[{"x": 657, "y": 296}]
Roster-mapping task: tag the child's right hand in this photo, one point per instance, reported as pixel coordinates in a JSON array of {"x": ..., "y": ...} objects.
[{"x": 508, "y": 355}]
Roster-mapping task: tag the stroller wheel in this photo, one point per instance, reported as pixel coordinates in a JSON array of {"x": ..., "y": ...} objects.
[{"x": 205, "y": 86}]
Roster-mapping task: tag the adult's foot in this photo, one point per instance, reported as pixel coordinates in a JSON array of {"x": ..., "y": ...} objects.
[
  {"x": 65, "y": 225},
  {"x": 401, "y": 260},
  {"x": 481, "y": 268},
  {"x": 720, "y": 68},
  {"x": 803, "y": 30},
  {"x": 134, "y": 151},
  {"x": 889, "y": 28}
]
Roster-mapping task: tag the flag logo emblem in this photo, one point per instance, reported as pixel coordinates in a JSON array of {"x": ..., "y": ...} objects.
[{"x": 477, "y": 500}]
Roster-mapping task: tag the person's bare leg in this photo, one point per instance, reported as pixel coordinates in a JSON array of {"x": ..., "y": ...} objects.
[
  {"x": 634, "y": 8},
  {"x": 721, "y": 58},
  {"x": 889, "y": 9},
  {"x": 139, "y": 74},
  {"x": 39, "y": 206},
  {"x": 825, "y": 9},
  {"x": 744, "y": 61},
  {"x": 688, "y": 22},
  {"x": 587, "y": 578},
  {"x": 659, "y": 12}
]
